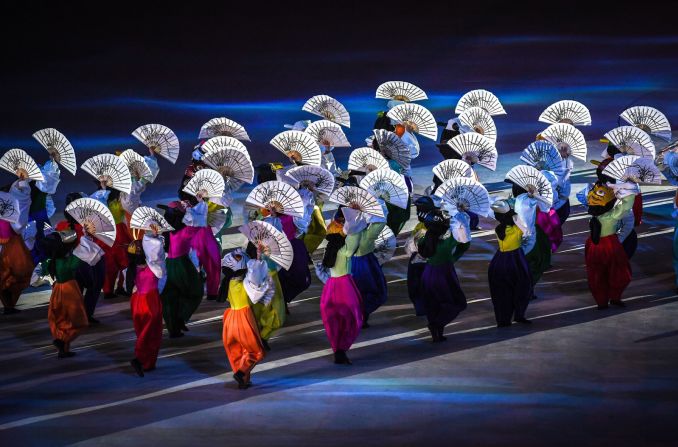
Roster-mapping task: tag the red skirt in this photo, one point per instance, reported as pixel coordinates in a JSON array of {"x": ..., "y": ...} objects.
[
  {"x": 16, "y": 267},
  {"x": 66, "y": 314},
  {"x": 147, "y": 318},
  {"x": 607, "y": 268}
]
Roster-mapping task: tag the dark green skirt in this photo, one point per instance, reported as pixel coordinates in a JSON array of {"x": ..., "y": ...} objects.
[
  {"x": 182, "y": 293},
  {"x": 539, "y": 258}
]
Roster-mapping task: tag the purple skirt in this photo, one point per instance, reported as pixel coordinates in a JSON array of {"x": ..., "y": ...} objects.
[
  {"x": 341, "y": 312},
  {"x": 298, "y": 278},
  {"x": 414, "y": 272},
  {"x": 510, "y": 285},
  {"x": 442, "y": 294},
  {"x": 370, "y": 280}
]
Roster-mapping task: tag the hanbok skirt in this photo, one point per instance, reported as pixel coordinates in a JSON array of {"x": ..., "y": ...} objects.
[
  {"x": 298, "y": 278},
  {"x": 442, "y": 294},
  {"x": 539, "y": 258},
  {"x": 398, "y": 217},
  {"x": 316, "y": 232},
  {"x": 270, "y": 317},
  {"x": 66, "y": 314},
  {"x": 414, "y": 272},
  {"x": 510, "y": 285},
  {"x": 549, "y": 222},
  {"x": 182, "y": 293},
  {"x": 369, "y": 277},
  {"x": 607, "y": 268},
  {"x": 147, "y": 318},
  {"x": 241, "y": 340},
  {"x": 16, "y": 268},
  {"x": 341, "y": 311}
]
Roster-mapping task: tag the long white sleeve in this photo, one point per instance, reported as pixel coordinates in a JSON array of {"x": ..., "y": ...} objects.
[
  {"x": 88, "y": 251},
  {"x": 154, "y": 249},
  {"x": 258, "y": 283},
  {"x": 51, "y": 173},
  {"x": 196, "y": 216},
  {"x": 21, "y": 191}
]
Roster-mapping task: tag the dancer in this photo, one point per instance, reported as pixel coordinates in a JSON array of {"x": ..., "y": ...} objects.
[{"x": 416, "y": 264}]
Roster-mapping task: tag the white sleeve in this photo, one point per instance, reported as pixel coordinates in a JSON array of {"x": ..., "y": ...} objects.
[
  {"x": 411, "y": 141},
  {"x": 152, "y": 163},
  {"x": 526, "y": 214},
  {"x": 132, "y": 201},
  {"x": 257, "y": 282},
  {"x": 50, "y": 171},
  {"x": 21, "y": 191},
  {"x": 88, "y": 251},
  {"x": 101, "y": 195},
  {"x": 196, "y": 216},
  {"x": 460, "y": 226},
  {"x": 154, "y": 249},
  {"x": 303, "y": 222}
]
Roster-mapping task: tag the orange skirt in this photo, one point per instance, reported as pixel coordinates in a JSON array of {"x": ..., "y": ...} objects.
[
  {"x": 67, "y": 316},
  {"x": 241, "y": 340},
  {"x": 16, "y": 267}
]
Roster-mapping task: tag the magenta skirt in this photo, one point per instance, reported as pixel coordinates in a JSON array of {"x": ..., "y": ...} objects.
[
  {"x": 550, "y": 223},
  {"x": 341, "y": 312}
]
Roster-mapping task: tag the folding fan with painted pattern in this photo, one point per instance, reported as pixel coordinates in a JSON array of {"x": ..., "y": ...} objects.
[
  {"x": 230, "y": 163},
  {"x": 400, "y": 91},
  {"x": 475, "y": 149},
  {"x": 270, "y": 241},
  {"x": 648, "y": 119},
  {"x": 329, "y": 108},
  {"x": 138, "y": 168},
  {"x": 635, "y": 169},
  {"x": 327, "y": 133},
  {"x": 207, "y": 183},
  {"x": 357, "y": 198},
  {"x": 465, "y": 194},
  {"x": 221, "y": 142},
  {"x": 10, "y": 210},
  {"x": 567, "y": 138},
  {"x": 480, "y": 98},
  {"x": 277, "y": 196},
  {"x": 415, "y": 118},
  {"x": 452, "y": 168},
  {"x": 568, "y": 112},
  {"x": 532, "y": 180},
  {"x": 632, "y": 140},
  {"x": 160, "y": 139},
  {"x": 223, "y": 127},
  {"x": 95, "y": 217},
  {"x": 19, "y": 163},
  {"x": 299, "y": 146},
  {"x": 144, "y": 218},
  {"x": 480, "y": 121},
  {"x": 391, "y": 146},
  {"x": 543, "y": 155},
  {"x": 385, "y": 245},
  {"x": 110, "y": 169},
  {"x": 366, "y": 159},
  {"x": 315, "y": 177},
  {"x": 59, "y": 148},
  {"x": 388, "y": 185}
]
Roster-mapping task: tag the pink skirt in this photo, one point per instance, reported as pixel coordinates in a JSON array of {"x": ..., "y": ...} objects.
[{"x": 341, "y": 312}]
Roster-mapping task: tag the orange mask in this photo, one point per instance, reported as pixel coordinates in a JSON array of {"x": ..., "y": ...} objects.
[{"x": 600, "y": 195}]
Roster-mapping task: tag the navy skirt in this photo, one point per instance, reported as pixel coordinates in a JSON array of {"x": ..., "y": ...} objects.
[
  {"x": 510, "y": 285},
  {"x": 370, "y": 280},
  {"x": 298, "y": 278},
  {"x": 442, "y": 294}
]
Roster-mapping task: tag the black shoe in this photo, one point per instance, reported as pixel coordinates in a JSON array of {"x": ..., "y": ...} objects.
[
  {"x": 340, "y": 358},
  {"x": 183, "y": 327},
  {"x": 10, "y": 311},
  {"x": 504, "y": 324},
  {"x": 287, "y": 309},
  {"x": 266, "y": 346},
  {"x": 109, "y": 296},
  {"x": 60, "y": 345},
  {"x": 136, "y": 364},
  {"x": 176, "y": 334},
  {"x": 121, "y": 292},
  {"x": 522, "y": 320},
  {"x": 618, "y": 303},
  {"x": 212, "y": 297},
  {"x": 240, "y": 378},
  {"x": 93, "y": 321},
  {"x": 602, "y": 306},
  {"x": 65, "y": 355}
]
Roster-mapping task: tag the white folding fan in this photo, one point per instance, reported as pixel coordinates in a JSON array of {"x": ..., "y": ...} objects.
[
  {"x": 567, "y": 138},
  {"x": 387, "y": 184},
  {"x": 216, "y": 220},
  {"x": 357, "y": 198},
  {"x": 95, "y": 218},
  {"x": 366, "y": 159},
  {"x": 109, "y": 169},
  {"x": 138, "y": 168},
  {"x": 327, "y": 133},
  {"x": 400, "y": 91},
  {"x": 221, "y": 142},
  {"x": 230, "y": 163},
  {"x": 144, "y": 218},
  {"x": 480, "y": 98},
  {"x": 391, "y": 146},
  {"x": 415, "y": 118},
  {"x": 385, "y": 245},
  {"x": 19, "y": 163},
  {"x": 160, "y": 139},
  {"x": 465, "y": 194},
  {"x": 59, "y": 148},
  {"x": 277, "y": 196},
  {"x": 532, "y": 180},
  {"x": 480, "y": 121},
  {"x": 543, "y": 155},
  {"x": 475, "y": 149},
  {"x": 329, "y": 108},
  {"x": 632, "y": 140},
  {"x": 633, "y": 168},
  {"x": 452, "y": 168},
  {"x": 9, "y": 208},
  {"x": 299, "y": 146},
  {"x": 272, "y": 242},
  {"x": 315, "y": 177},
  {"x": 568, "y": 112},
  {"x": 223, "y": 127},
  {"x": 207, "y": 183},
  {"x": 648, "y": 119}
]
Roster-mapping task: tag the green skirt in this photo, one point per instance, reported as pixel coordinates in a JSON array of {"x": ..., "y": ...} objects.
[
  {"x": 182, "y": 293},
  {"x": 270, "y": 317},
  {"x": 539, "y": 258}
]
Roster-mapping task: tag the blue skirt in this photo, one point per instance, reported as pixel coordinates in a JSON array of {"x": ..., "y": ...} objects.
[{"x": 370, "y": 280}]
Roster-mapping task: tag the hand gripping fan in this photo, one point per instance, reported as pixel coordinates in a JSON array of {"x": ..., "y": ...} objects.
[
  {"x": 567, "y": 138},
  {"x": 415, "y": 118},
  {"x": 391, "y": 146},
  {"x": 224, "y": 143},
  {"x": 59, "y": 148},
  {"x": 19, "y": 163},
  {"x": 480, "y": 121},
  {"x": 568, "y": 112},
  {"x": 95, "y": 218},
  {"x": 632, "y": 141},
  {"x": 385, "y": 245},
  {"x": 358, "y": 199},
  {"x": 400, "y": 91},
  {"x": 480, "y": 98},
  {"x": 110, "y": 169},
  {"x": 138, "y": 168},
  {"x": 269, "y": 241},
  {"x": 327, "y": 133},
  {"x": 329, "y": 108},
  {"x": 465, "y": 194},
  {"x": 160, "y": 139},
  {"x": 543, "y": 155},
  {"x": 299, "y": 146},
  {"x": 532, "y": 180},
  {"x": 313, "y": 178},
  {"x": 387, "y": 184},
  {"x": 648, "y": 119},
  {"x": 206, "y": 183},
  {"x": 366, "y": 159},
  {"x": 9, "y": 208},
  {"x": 277, "y": 196},
  {"x": 452, "y": 168},
  {"x": 146, "y": 218},
  {"x": 230, "y": 163},
  {"x": 223, "y": 127},
  {"x": 635, "y": 169},
  {"x": 475, "y": 148}
]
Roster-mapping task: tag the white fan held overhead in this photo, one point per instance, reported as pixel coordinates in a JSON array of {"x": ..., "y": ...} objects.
[
  {"x": 532, "y": 181},
  {"x": 206, "y": 183},
  {"x": 221, "y": 142},
  {"x": 416, "y": 119},
  {"x": 475, "y": 149},
  {"x": 648, "y": 119},
  {"x": 328, "y": 134},
  {"x": 452, "y": 168},
  {"x": 270, "y": 242},
  {"x": 19, "y": 163},
  {"x": 277, "y": 197},
  {"x": 465, "y": 194},
  {"x": 159, "y": 139},
  {"x": 632, "y": 140},
  {"x": 384, "y": 245},
  {"x": 95, "y": 218},
  {"x": 58, "y": 147},
  {"x": 329, "y": 108},
  {"x": 388, "y": 185},
  {"x": 480, "y": 98},
  {"x": 567, "y": 112},
  {"x": 298, "y": 146},
  {"x": 400, "y": 91},
  {"x": 148, "y": 219},
  {"x": 568, "y": 139},
  {"x": 110, "y": 170},
  {"x": 392, "y": 147},
  {"x": 366, "y": 159},
  {"x": 543, "y": 155},
  {"x": 230, "y": 163},
  {"x": 138, "y": 168},
  {"x": 223, "y": 127},
  {"x": 633, "y": 168},
  {"x": 480, "y": 121},
  {"x": 357, "y": 199},
  {"x": 314, "y": 178}
]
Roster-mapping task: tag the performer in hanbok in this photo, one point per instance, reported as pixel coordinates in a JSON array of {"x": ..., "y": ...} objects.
[
  {"x": 416, "y": 264},
  {"x": 42, "y": 204}
]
